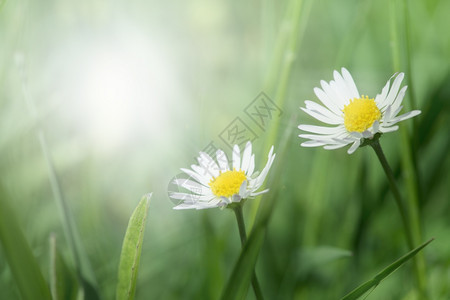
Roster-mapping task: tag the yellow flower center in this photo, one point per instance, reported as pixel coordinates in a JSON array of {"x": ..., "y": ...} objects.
[
  {"x": 227, "y": 183},
  {"x": 360, "y": 114}
]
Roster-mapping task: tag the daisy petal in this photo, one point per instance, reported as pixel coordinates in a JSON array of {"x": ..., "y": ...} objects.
[
  {"x": 205, "y": 161},
  {"x": 394, "y": 89},
  {"x": 222, "y": 160},
  {"x": 236, "y": 158},
  {"x": 340, "y": 91},
  {"x": 387, "y": 114},
  {"x": 350, "y": 83},
  {"x": 191, "y": 186},
  {"x": 322, "y": 110},
  {"x": 376, "y": 126},
  {"x": 323, "y": 97},
  {"x": 202, "y": 179},
  {"x": 388, "y": 129},
  {"x": 190, "y": 197},
  {"x": 260, "y": 179},
  {"x": 260, "y": 193},
  {"x": 208, "y": 175},
  {"x": 321, "y": 117},
  {"x": 398, "y": 100},
  {"x": 312, "y": 144},
  {"x": 321, "y": 129},
  {"x": 334, "y": 146},
  {"x": 380, "y": 99},
  {"x": 243, "y": 189},
  {"x": 246, "y": 157},
  {"x": 251, "y": 166},
  {"x": 367, "y": 134},
  {"x": 354, "y": 147},
  {"x": 406, "y": 116},
  {"x": 316, "y": 137}
]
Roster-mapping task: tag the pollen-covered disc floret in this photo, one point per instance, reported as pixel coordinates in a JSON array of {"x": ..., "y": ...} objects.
[
  {"x": 216, "y": 183},
  {"x": 360, "y": 114},
  {"x": 227, "y": 183},
  {"x": 353, "y": 117}
]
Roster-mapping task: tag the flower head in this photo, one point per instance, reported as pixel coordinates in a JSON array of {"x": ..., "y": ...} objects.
[
  {"x": 216, "y": 183},
  {"x": 355, "y": 117}
]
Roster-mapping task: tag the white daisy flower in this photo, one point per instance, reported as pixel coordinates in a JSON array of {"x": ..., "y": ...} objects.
[
  {"x": 354, "y": 117},
  {"x": 217, "y": 184}
]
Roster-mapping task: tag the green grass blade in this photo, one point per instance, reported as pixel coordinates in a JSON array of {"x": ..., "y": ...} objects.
[
  {"x": 239, "y": 281},
  {"x": 408, "y": 157},
  {"x": 131, "y": 251},
  {"x": 289, "y": 50},
  {"x": 24, "y": 267},
  {"x": 63, "y": 283},
  {"x": 362, "y": 289},
  {"x": 83, "y": 267},
  {"x": 237, "y": 285},
  {"x": 314, "y": 257}
]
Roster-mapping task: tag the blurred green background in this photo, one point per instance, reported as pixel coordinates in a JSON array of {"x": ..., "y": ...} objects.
[{"x": 128, "y": 92}]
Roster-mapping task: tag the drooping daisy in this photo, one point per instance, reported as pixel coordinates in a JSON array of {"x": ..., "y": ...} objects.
[
  {"x": 354, "y": 117},
  {"x": 217, "y": 184}
]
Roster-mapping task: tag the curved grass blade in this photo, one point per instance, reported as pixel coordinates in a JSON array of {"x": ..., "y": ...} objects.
[
  {"x": 24, "y": 267},
  {"x": 409, "y": 157},
  {"x": 63, "y": 283},
  {"x": 362, "y": 289},
  {"x": 131, "y": 251},
  {"x": 83, "y": 268},
  {"x": 239, "y": 281},
  {"x": 314, "y": 257}
]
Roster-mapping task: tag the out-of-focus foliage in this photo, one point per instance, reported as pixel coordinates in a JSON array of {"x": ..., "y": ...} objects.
[{"x": 127, "y": 92}]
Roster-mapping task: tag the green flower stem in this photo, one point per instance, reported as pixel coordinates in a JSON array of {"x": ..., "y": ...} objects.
[
  {"x": 243, "y": 235},
  {"x": 411, "y": 230},
  {"x": 375, "y": 144}
]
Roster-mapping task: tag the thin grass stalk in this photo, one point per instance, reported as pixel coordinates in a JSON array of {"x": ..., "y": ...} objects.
[
  {"x": 408, "y": 48},
  {"x": 240, "y": 278},
  {"x": 243, "y": 236},
  {"x": 354, "y": 33},
  {"x": 289, "y": 55},
  {"x": 66, "y": 217},
  {"x": 410, "y": 158},
  {"x": 316, "y": 197},
  {"x": 416, "y": 186},
  {"x": 280, "y": 69},
  {"x": 408, "y": 162}
]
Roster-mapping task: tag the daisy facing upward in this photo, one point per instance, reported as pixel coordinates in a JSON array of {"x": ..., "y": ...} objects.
[
  {"x": 353, "y": 117},
  {"x": 359, "y": 120},
  {"x": 218, "y": 184}
]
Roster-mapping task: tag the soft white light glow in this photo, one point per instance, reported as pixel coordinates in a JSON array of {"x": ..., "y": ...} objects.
[
  {"x": 126, "y": 85},
  {"x": 111, "y": 90}
]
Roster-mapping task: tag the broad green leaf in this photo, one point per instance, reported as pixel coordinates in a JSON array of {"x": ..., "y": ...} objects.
[
  {"x": 131, "y": 251},
  {"x": 24, "y": 266},
  {"x": 63, "y": 282},
  {"x": 362, "y": 289}
]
